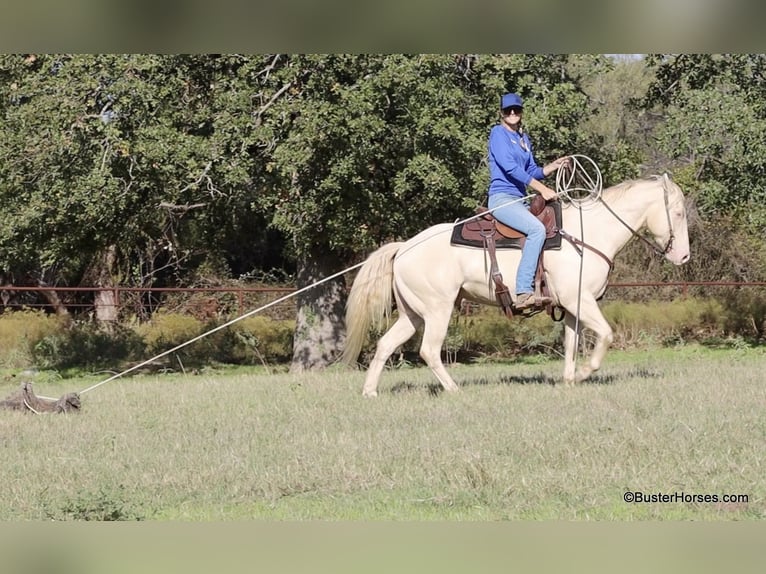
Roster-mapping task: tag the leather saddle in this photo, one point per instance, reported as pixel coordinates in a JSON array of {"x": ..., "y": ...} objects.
[
  {"x": 488, "y": 233},
  {"x": 473, "y": 233}
]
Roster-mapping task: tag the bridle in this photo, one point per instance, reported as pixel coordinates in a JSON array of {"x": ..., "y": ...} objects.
[{"x": 579, "y": 245}]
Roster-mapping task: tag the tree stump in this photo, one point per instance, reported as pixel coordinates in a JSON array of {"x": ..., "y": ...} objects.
[{"x": 26, "y": 400}]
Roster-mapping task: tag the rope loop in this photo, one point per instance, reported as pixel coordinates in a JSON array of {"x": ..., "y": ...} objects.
[{"x": 580, "y": 182}]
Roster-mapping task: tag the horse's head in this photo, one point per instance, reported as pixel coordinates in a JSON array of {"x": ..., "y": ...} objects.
[{"x": 666, "y": 221}]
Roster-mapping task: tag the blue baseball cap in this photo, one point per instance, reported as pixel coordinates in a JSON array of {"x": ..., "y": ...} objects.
[{"x": 509, "y": 100}]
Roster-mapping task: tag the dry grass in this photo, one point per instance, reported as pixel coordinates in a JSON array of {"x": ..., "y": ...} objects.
[{"x": 244, "y": 445}]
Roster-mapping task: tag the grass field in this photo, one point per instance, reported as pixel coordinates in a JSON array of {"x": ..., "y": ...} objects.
[{"x": 243, "y": 444}]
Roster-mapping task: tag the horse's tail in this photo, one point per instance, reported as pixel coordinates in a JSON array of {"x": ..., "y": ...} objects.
[{"x": 369, "y": 301}]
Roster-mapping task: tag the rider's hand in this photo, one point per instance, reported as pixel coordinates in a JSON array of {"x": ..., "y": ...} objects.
[
  {"x": 547, "y": 193},
  {"x": 557, "y": 164},
  {"x": 563, "y": 162}
]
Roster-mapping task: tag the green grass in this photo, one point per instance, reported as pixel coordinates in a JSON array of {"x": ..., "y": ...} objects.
[{"x": 243, "y": 444}]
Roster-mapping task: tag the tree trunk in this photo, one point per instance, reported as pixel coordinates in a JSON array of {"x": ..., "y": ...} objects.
[
  {"x": 53, "y": 299},
  {"x": 320, "y": 327},
  {"x": 105, "y": 302}
]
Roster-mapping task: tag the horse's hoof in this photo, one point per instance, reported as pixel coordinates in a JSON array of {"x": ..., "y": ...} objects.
[{"x": 369, "y": 394}]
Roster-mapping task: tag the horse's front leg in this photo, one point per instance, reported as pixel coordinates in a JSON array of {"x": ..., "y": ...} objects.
[
  {"x": 569, "y": 349},
  {"x": 592, "y": 318}
]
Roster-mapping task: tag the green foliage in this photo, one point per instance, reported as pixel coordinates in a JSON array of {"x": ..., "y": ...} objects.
[
  {"x": 91, "y": 146},
  {"x": 263, "y": 340},
  {"x": 167, "y": 330},
  {"x": 106, "y": 505},
  {"x": 85, "y": 345},
  {"x": 746, "y": 313},
  {"x": 715, "y": 121},
  {"x": 22, "y": 331},
  {"x": 678, "y": 321},
  {"x": 489, "y": 332}
]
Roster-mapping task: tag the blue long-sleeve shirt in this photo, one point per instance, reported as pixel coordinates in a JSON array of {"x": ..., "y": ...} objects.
[{"x": 511, "y": 162}]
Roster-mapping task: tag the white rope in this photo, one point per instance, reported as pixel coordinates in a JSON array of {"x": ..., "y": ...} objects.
[
  {"x": 581, "y": 184},
  {"x": 258, "y": 310},
  {"x": 26, "y": 404},
  {"x": 264, "y": 307},
  {"x": 211, "y": 331}
]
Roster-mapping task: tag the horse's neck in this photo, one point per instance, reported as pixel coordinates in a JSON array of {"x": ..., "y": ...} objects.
[{"x": 600, "y": 228}]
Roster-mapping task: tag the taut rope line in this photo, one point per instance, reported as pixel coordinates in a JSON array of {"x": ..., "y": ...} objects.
[
  {"x": 254, "y": 311},
  {"x": 219, "y": 327},
  {"x": 264, "y": 307}
]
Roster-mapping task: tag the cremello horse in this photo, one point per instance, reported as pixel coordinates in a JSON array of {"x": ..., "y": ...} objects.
[{"x": 427, "y": 275}]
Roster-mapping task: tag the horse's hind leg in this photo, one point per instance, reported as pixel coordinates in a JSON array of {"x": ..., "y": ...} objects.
[
  {"x": 436, "y": 325},
  {"x": 399, "y": 333}
]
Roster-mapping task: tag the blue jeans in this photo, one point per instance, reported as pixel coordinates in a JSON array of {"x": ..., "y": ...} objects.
[{"x": 517, "y": 215}]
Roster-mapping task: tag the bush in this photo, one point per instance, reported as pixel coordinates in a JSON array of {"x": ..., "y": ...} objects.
[
  {"x": 490, "y": 332},
  {"x": 746, "y": 313},
  {"x": 165, "y": 331},
  {"x": 261, "y": 339},
  {"x": 682, "y": 320},
  {"x": 85, "y": 345},
  {"x": 21, "y": 331}
]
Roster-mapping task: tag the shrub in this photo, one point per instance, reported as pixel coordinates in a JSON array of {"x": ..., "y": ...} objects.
[
  {"x": 85, "y": 345},
  {"x": 165, "y": 331},
  {"x": 261, "y": 339},
  {"x": 21, "y": 331},
  {"x": 672, "y": 321},
  {"x": 489, "y": 332},
  {"x": 745, "y": 313}
]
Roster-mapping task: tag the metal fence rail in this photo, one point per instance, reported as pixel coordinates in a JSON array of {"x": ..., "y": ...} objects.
[
  {"x": 222, "y": 301},
  {"x": 204, "y": 301}
]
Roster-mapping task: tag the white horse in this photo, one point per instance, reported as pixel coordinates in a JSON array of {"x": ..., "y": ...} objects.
[{"x": 427, "y": 275}]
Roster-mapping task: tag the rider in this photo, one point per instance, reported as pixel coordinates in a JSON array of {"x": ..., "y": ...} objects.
[{"x": 512, "y": 169}]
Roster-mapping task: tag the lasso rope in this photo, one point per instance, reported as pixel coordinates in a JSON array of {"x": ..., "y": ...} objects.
[
  {"x": 581, "y": 184},
  {"x": 219, "y": 327},
  {"x": 259, "y": 309}
]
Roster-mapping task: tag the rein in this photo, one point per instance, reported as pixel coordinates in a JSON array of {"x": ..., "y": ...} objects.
[
  {"x": 652, "y": 245},
  {"x": 578, "y": 244}
]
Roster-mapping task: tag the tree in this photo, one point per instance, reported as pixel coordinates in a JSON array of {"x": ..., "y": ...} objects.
[
  {"x": 714, "y": 128},
  {"x": 138, "y": 168},
  {"x": 364, "y": 149},
  {"x": 108, "y": 171}
]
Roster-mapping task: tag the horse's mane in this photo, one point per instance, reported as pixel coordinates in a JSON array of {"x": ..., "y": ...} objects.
[
  {"x": 616, "y": 192},
  {"x": 621, "y": 188}
]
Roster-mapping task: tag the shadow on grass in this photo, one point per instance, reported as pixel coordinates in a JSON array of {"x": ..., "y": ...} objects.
[{"x": 435, "y": 389}]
